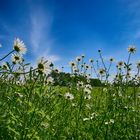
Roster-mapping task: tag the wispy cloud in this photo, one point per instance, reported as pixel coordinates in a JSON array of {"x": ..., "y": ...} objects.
[{"x": 41, "y": 40}]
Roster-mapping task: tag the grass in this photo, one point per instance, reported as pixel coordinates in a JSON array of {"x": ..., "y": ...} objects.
[{"x": 31, "y": 108}]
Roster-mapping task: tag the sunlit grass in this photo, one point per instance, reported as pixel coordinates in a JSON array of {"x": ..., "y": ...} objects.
[{"x": 32, "y": 106}]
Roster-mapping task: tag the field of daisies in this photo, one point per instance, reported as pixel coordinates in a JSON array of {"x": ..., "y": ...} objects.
[{"x": 35, "y": 106}]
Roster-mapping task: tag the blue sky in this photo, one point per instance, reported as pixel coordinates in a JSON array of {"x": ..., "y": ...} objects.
[{"x": 60, "y": 30}]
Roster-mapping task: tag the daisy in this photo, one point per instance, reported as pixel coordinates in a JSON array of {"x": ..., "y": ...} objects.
[
  {"x": 101, "y": 71},
  {"x": 138, "y": 64},
  {"x": 80, "y": 84},
  {"x": 78, "y": 59},
  {"x": 43, "y": 65},
  {"x": 131, "y": 49},
  {"x": 91, "y": 60},
  {"x": 69, "y": 96},
  {"x": 56, "y": 70},
  {"x": 87, "y": 66},
  {"x": 82, "y": 55},
  {"x": 88, "y": 86},
  {"x": 111, "y": 59},
  {"x": 88, "y": 97},
  {"x": 72, "y": 64},
  {"x": 19, "y": 46},
  {"x": 120, "y": 64},
  {"x": 87, "y": 91},
  {"x": 16, "y": 58},
  {"x": 50, "y": 80},
  {"x": 5, "y": 66}
]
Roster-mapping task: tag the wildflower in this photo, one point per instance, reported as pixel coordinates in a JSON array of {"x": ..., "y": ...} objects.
[
  {"x": 17, "y": 94},
  {"x": 111, "y": 59},
  {"x": 132, "y": 49},
  {"x": 17, "y": 82},
  {"x": 129, "y": 68},
  {"x": 5, "y": 66},
  {"x": 80, "y": 84},
  {"x": 138, "y": 64},
  {"x": 87, "y": 76},
  {"x": 91, "y": 60},
  {"x": 75, "y": 69},
  {"x": 19, "y": 46},
  {"x": 87, "y": 66},
  {"x": 50, "y": 80},
  {"x": 83, "y": 56},
  {"x": 72, "y": 64},
  {"x": 88, "y": 86},
  {"x": 43, "y": 65},
  {"x": 69, "y": 96},
  {"x": 78, "y": 59},
  {"x": 128, "y": 75},
  {"x": 88, "y": 97},
  {"x": 87, "y": 91},
  {"x": 101, "y": 71},
  {"x": 120, "y": 64},
  {"x": 16, "y": 58},
  {"x": 56, "y": 70}
]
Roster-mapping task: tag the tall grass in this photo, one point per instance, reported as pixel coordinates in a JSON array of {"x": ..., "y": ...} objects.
[{"x": 32, "y": 108}]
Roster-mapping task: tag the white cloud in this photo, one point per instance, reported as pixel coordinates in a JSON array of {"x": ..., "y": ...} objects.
[{"x": 40, "y": 35}]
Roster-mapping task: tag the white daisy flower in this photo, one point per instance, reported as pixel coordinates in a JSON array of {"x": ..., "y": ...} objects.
[
  {"x": 5, "y": 66},
  {"x": 87, "y": 91},
  {"x": 50, "y": 80},
  {"x": 131, "y": 49},
  {"x": 43, "y": 66},
  {"x": 88, "y": 86},
  {"x": 78, "y": 59},
  {"x": 87, "y": 97},
  {"x": 101, "y": 71},
  {"x": 18, "y": 95},
  {"x": 72, "y": 64},
  {"x": 19, "y": 46},
  {"x": 69, "y": 96},
  {"x": 80, "y": 84},
  {"x": 82, "y": 55},
  {"x": 91, "y": 60},
  {"x": 16, "y": 58}
]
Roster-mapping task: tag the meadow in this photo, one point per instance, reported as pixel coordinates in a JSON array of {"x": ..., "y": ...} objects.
[{"x": 33, "y": 107}]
